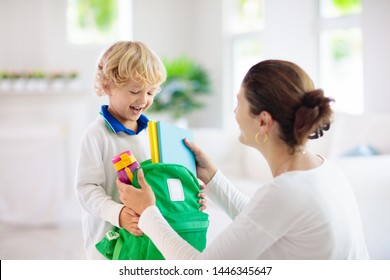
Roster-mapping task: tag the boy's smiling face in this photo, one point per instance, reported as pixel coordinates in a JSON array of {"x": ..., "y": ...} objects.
[{"x": 127, "y": 103}]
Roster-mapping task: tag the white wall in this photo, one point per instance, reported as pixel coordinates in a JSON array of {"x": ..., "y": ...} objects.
[
  {"x": 191, "y": 28},
  {"x": 376, "y": 49},
  {"x": 290, "y": 33},
  {"x": 34, "y": 37}
]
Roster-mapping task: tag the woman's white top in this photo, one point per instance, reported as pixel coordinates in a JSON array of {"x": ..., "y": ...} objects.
[{"x": 299, "y": 215}]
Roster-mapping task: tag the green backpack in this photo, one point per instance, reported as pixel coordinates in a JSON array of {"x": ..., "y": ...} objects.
[{"x": 176, "y": 190}]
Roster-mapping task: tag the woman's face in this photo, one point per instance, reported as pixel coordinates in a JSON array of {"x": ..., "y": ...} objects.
[{"x": 246, "y": 122}]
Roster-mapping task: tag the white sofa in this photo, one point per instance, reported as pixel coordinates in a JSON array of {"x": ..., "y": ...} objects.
[{"x": 369, "y": 174}]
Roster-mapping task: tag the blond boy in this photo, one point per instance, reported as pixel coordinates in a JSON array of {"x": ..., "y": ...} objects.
[{"x": 130, "y": 74}]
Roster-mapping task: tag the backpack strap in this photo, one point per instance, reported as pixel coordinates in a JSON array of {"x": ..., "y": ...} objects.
[
  {"x": 117, "y": 249},
  {"x": 192, "y": 226}
]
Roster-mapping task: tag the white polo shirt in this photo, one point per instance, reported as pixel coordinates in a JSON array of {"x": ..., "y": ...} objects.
[{"x": 96, "y": 189}]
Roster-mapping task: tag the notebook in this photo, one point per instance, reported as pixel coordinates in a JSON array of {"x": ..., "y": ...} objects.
[{"x": 171, "y": 148}]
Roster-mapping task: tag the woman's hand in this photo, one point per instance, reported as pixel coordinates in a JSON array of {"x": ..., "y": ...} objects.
[
  {"x": 128, "y": 219},
  {"x": 136, "y": 199},
  {"x": 205, "y": 168},
  {"x": 202, "y": 197}
]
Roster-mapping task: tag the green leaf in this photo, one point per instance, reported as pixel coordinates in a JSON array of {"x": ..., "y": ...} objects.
[{"x": 185, "y": 81}]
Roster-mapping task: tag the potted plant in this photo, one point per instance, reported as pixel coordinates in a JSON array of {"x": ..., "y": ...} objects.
[
  {"x": 185, "y": 81},
  {"x": 36, "y": 80}
]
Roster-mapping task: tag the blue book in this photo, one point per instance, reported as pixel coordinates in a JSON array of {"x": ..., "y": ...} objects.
[{"x": 172, "y": 148}]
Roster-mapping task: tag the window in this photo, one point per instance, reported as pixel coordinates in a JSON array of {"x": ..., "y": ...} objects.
[
  {"x": 341, "y": 58},
  {"x": 98, "y": 21},
  {"x": 337, "y": 8},
  {"x": 246, "y": 22},
  {"x": 246, "y": 52}
]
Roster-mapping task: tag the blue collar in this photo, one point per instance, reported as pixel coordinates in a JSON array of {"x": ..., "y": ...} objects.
[{"x": 116, "y": 126}]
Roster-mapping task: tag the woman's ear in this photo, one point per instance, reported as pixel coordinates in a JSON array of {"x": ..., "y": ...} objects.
[{"x": 265, "y": 121}]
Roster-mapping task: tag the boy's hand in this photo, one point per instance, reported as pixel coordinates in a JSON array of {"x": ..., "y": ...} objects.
[
  {"x": 136, "y": 199},
  {"x": 128, "y": 220}
]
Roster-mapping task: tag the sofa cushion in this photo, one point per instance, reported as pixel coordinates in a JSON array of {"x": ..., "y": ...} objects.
[
  {"x": 222, "y": 146},
  {"x": 361, "y": 150},
  {"x": 370, "y": 180},
  {"x": 351, "y": 131}
]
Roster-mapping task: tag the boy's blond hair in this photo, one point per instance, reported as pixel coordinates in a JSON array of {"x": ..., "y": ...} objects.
[{"x": 125, "y": 61}]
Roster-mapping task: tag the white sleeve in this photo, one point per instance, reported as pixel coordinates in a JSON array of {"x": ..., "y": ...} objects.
[
  {"x": 90, "y": 179},
  {"x": 170, "y": 244},
  {"x": 225, "y": 195},
  {"x": 244, "y": 238}
]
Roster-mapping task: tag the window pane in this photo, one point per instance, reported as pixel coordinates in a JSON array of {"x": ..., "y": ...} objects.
[
  {"x": 246, "y": 16},
  {"x": 342, "y": 68},
  {"x": 246, "y": 53},
  {"x": 336, "y": 8},
  {"x": 98, "y": 21}
]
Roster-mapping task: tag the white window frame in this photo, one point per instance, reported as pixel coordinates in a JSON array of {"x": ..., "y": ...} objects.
[{"x": 334, "y": 23}]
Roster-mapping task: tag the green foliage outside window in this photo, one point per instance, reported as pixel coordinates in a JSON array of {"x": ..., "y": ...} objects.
[
  {"x": 340, "y": 46},
  {"x": 102, "y": 12},
  {"x": 345, "y": 43},
  {"x": 347, "y": 6}
]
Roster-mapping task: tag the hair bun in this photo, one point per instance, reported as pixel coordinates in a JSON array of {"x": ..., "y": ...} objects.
[
  {"x": 313, "y": 98},
  {"x": 314, "y": 115}
]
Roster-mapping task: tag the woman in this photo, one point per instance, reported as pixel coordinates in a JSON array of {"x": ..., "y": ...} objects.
[{"x": 308, "y": 211}]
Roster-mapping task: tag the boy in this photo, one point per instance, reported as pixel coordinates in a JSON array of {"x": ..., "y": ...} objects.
[{"x": 131, "y": 75}]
